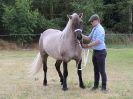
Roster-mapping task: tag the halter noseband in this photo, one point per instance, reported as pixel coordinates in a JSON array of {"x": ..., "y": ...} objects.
[{"x": 80, "y": 30}]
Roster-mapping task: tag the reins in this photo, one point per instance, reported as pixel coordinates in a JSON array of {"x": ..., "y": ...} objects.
[{"x": 85, "y": 59}]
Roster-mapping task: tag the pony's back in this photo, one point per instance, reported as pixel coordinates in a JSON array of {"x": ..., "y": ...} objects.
[{"x": 50, "y": 42}]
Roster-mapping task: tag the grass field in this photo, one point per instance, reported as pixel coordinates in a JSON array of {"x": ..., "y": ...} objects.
[{"x": 15, "y": 82}]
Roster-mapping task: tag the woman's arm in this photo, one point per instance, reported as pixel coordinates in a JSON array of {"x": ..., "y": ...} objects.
[
  {"x": 86, "y": 37},
  {"x": 90, "y": 44}
]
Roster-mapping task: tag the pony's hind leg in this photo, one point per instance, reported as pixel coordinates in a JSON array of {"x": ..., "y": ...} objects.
[
  {"x": 81, "y": 84},
  {"x": 57, "y": 65},
  {"x": 44, "y": 60}
]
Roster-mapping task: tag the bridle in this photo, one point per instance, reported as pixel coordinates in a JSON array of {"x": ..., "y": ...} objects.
[{"x": 80, "y": 30}]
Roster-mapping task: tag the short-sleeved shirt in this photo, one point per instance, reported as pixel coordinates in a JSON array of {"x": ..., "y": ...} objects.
[{"x": 98, "y": 33}]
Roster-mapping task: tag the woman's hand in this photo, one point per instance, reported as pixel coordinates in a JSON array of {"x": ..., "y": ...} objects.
[{"x": 85, "y": 46}]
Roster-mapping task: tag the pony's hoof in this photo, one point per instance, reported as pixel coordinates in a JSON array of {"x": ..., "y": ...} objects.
[
  {"x": 45, "y": 83},
  {"x": 82, "y": 86},
  {"x": 64, "y": 89}
]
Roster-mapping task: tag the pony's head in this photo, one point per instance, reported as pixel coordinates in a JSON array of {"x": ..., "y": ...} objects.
[
  {"x": 76, "y": 20},
  {"x": 77, "y": 24}
]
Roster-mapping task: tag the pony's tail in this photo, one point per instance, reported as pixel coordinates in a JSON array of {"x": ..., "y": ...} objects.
[{"x": 36, "y": 65}]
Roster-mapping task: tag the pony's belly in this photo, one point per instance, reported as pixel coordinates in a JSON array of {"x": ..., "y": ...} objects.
[
  {"x": 55, "y": 56},
  {"x": 53, "y": 52}
]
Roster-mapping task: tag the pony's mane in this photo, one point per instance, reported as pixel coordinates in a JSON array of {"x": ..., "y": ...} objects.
[{"x": 74, "y": 16}]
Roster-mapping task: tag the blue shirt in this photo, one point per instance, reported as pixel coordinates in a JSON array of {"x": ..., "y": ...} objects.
[{"x": 98, "y": 33}]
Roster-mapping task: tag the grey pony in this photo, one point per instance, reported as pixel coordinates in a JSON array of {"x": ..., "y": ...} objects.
[{"x": 62, "y": 46}]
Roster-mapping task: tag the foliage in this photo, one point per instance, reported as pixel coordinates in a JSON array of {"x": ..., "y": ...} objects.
[
  {"x": 35, "y": 16},
  {"x": 116, "y": 15},
  {"x": 19, "y": 19}
]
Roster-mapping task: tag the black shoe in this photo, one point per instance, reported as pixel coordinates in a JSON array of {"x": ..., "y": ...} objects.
[
  {"x": 94, "y": 88},
  {"x": 104, "y": 90}
]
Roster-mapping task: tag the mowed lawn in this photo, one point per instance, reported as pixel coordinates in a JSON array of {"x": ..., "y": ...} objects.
[{"x": 15, "y": 82}]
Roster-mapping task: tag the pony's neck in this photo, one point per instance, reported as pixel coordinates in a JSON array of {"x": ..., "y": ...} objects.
[
  {"x": 68, "y": 28},
  {"x": 68, "y": 33}
]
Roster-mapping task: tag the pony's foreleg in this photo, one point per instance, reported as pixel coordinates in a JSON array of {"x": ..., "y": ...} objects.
[
  {"x": 57, "y": 65},
  {"x": 65, "y": 74},
  {"x": 45, "y": 69},
  {"x": 81, "y": 84}
]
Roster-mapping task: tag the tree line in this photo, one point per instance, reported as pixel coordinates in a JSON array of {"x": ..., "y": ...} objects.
[{"x": 35, "y": 16}]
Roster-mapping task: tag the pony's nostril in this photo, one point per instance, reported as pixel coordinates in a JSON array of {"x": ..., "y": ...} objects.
[{"x": 79, "y": 37}]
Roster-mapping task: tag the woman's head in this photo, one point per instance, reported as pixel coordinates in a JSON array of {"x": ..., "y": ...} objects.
[{"x": 94, "y": 19}]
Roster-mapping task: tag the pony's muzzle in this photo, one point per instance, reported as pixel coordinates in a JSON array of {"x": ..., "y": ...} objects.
[{"x": 79, "y": 35}]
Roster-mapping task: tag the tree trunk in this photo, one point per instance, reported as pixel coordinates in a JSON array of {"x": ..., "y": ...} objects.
[
  {"x": 51, "y": 10},
  {"x": 130, "y": 18}
]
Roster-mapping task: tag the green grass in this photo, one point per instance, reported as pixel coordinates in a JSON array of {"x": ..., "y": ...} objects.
[{"x": 15, "y": 82}]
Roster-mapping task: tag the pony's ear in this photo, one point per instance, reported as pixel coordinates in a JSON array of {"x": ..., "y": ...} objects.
[
  {"x": 69, "y": 16},
  {"x": 81, "y": 15}
]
